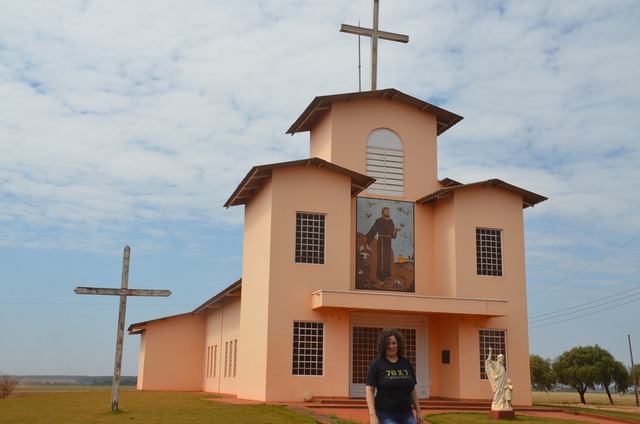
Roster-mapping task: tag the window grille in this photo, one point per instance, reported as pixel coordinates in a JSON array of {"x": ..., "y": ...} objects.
[
  {"x": 489, "y": 252},
  {"x": 308, "y": 348},
  {"x": 235, "y": 357},
  {"x": 365, "y": 350},
  {"x": 215, "y": 360},
  {"x": 497, "y": 340},
  {"x": 209, "y": 356},
  {"x": 310, "y": 238},
  {"x": 226, "y": 354}
]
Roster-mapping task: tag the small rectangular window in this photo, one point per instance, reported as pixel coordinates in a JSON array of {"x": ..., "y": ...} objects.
[
  {"x": 208, "y": 361},
  {"x": 497, "y": 340},
  {"x": 235, "y": 356},
  {"x": 215, "y": 360},
  {"x": 308, "y": 348},
  {"x": 226, "y": 355},
  {"x": 310, "y": 238},
  {"x": 489, "y": 252}
]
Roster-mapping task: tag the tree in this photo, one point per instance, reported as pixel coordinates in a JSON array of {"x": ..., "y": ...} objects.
[
  {"x": 586, "y": 367},
  {"x": 7, "y": 384},
  {"x": 622, "y": 378},
  {"x": 578, "y": 368},
  {"x": 542, "y": 376},
  {"x": 611, "y": 372},
  {"x": 635, "y": 374}
]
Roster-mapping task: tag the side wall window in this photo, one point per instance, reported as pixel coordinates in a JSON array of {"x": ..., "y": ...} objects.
[
  {"x": 497, "y": 340},
  {"x": 308, "y": 348},
  {"x": 385, "y": 163},
  {"x": 310, "y": 238},
  {"x": 489, "y": 252}
]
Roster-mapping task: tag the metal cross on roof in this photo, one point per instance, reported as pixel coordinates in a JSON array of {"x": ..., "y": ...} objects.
[
  {"x": 123, "y": 292},
  {"x": 374, "y": 33}
]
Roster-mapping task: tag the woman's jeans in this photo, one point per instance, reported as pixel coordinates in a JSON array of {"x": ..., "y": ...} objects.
[{"x": 396, "y": 418}]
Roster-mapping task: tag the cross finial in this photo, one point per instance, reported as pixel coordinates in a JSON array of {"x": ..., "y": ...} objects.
[{"x": 375, "y": 34}]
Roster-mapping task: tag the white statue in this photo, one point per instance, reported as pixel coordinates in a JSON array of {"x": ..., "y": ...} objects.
[
  {"x": 508, "y": 393},
  {"x": 500, "y": 383}
]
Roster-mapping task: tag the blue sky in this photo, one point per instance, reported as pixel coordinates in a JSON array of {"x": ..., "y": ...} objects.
[{"x": 131, "y": 123}]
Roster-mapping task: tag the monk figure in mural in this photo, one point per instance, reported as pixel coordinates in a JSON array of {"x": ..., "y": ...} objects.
[
  {"x": 386, "y": 230},
  {"x": 500, "y": 383}
]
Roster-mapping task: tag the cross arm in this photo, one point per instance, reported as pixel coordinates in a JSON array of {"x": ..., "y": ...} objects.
[{"x": 367, "y": 32}]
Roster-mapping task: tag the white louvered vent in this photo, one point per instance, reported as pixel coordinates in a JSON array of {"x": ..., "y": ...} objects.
[{"x": 385, "y": 163}]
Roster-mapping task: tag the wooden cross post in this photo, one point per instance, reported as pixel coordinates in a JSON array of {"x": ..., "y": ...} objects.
[
  {"x": 374, "y": 34},
  {"x": 123, "y": 292}
]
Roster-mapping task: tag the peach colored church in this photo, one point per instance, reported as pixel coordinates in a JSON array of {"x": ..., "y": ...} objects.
[{"x": 360, "y": 236}]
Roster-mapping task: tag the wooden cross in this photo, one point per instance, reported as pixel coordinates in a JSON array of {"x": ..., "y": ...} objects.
[
  {"x": 374, "y": 34},
  {"x": 123, "y": 292}
]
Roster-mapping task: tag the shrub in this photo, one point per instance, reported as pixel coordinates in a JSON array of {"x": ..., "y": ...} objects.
[{"x": 7, "y": 384}]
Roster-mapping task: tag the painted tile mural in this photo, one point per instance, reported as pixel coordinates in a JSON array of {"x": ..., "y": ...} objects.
[{"x": 384, "y": 245}]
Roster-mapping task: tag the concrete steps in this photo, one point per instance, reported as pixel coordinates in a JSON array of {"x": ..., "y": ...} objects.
[{"x": 425, "y": 404}]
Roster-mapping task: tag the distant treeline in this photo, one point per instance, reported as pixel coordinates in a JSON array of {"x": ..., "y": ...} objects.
[{"x": 74, "y": 380}]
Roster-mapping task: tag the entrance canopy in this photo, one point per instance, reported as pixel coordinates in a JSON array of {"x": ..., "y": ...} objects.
[{"x": 402, "y": 302}]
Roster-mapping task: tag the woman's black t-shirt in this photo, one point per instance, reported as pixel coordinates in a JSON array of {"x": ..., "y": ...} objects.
[{"x": 393, "y": 382}]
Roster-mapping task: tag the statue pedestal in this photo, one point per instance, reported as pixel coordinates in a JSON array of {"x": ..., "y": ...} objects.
[{"x": 502, "y": 415}]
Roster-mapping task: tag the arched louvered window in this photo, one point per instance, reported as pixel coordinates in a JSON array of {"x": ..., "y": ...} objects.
[{"x": 385, "y": 163}]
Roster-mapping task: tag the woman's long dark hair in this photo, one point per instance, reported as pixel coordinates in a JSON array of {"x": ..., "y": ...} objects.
[{"x": 383, "y": 339}]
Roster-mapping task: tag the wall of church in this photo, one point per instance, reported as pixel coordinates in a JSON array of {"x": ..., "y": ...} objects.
[
  {"x": 291, "y": 284},
  {"x": 173, "y": 354},
  {"x": 444, "y": 249},
  {"x": 426, "y": 251},
  {"x": 455, "y": 223},
  {"x": 320, "y": 139},
  {"x": 349, "y": 124},
  {"x": 254, "y": 309},
  {"x": 222, "y": 344},
  {"x": 445, "y": 377},
  {"x": 485, "y": 207}
]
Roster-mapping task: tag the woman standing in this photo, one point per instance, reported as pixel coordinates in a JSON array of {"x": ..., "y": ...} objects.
[{"x": 391, "y": 383}]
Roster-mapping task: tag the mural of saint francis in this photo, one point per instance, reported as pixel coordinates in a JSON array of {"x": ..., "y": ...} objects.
[{"x": 384, "y": 245}]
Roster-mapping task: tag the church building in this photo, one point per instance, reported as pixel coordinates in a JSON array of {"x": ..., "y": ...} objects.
[{"x": 360, "y": 236}]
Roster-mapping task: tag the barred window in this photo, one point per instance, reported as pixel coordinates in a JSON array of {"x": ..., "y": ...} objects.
[
  {"x": 497, "y": 340},
  {"x": 308, "y": 348},
  {"x": 489, "y": 252},
  {"x": 208, "y": 360},
  {"x": 226, "y": 356},
  {"x": 215, "y": 360},
  {"x": 235, "y": 357},
  {"x": 310, "y": 238}
]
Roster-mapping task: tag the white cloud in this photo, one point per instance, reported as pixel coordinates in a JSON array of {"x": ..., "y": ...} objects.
[{"x": 136, "y": 120}]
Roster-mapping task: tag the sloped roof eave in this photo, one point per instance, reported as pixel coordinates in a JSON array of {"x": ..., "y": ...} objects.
[
  {"x": 321, "y": 105},
  {"x": 528, "y": 198},
  {"x": 257, "y": 176},
  {"x": 234, "y": 289},
  {"x": 138, "y": 327}
]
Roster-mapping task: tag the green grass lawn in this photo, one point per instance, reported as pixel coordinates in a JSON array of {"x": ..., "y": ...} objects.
[
  {"x": 70, "y": 407},
  {"x": 91, "y": 404},
  {"x": 483, "y": 418}
]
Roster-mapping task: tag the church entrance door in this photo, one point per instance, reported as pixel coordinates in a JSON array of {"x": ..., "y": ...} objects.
[{"x": 365, "y": 328}]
